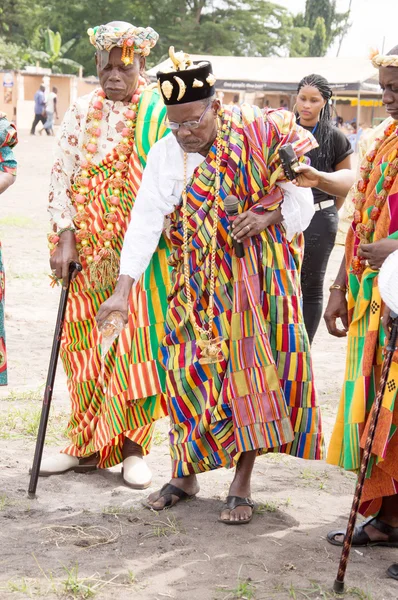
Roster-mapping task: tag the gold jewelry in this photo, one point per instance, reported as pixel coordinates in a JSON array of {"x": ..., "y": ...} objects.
[
  {"x": 336, "y": 286},
  {"x": 167, "y": 89},
  {"x": 182, "y": 88},
  {"x": 210, "y": 347},
  {"x": 379, "y": 60}
]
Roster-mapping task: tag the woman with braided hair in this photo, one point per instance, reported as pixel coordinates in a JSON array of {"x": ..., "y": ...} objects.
[{"x": 330, "y": 165}]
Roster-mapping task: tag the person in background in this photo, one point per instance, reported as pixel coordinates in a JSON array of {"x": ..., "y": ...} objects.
[
  {"x": 330, "y": 166},
  {"x": 51, "y": 111},
  {"x": 40, "y": 109},
  {"x": 8, "y": 171}
]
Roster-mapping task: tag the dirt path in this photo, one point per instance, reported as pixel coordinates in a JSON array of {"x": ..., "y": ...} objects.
[{"x": 88, "y": 535}]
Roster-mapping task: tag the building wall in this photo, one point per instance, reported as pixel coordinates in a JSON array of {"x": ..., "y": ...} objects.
[
  {"x": 63, "y": 86},
  {"x": 86, "y": 86},
  {"x": 8, "y": 95},
  {"x": 367, "y": 114}
]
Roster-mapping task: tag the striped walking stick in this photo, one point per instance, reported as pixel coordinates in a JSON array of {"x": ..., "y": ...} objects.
[
  {"x": 48, "y": 392},
  {"x": 338, "y": 586}
]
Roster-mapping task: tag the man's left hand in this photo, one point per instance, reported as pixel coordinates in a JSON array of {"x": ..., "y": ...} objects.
[
  {"x": 377, "y": 252},
  {"x": 250, "y": 223}
]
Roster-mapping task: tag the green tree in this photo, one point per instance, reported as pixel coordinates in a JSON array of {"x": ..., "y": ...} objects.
[
  {"x": 320, "y": 26},
  {"x": 54, "y": 52},
  {"x": 233, "y": 27},
  {"x": 20, "y": 21},
  {"x": 12, "y": 56},
  {"x": 318, "y": 44},
  {"x": 226, "y": 27},
  {"x": 300, "y": 36}
]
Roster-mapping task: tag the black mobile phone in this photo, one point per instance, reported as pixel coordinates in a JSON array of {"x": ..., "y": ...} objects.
[{"x": 289, "y": 161}]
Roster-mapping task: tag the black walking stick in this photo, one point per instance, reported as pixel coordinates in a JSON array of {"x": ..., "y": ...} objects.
[
  {"x": 345, "y": 553},
  {"x": 48, "y": 392}
]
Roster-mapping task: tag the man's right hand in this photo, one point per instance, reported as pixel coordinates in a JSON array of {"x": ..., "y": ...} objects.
[
  {"x": 336, "y": 308},
  {"x": 118, "y": 302},
  {"x": 307, "y": 177},
  {"x": 63, "y": 255}
]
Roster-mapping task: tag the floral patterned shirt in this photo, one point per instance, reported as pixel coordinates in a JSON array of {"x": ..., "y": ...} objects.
[{"x": 70, "y": 151}]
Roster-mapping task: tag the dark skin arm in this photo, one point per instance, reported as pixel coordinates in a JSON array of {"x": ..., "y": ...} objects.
[
  {"x": 336, "y": 184},
  {"x": 6, "y": 179},
  {"x": 117, "y": 302},
  {"x": 337, "y": 305}
]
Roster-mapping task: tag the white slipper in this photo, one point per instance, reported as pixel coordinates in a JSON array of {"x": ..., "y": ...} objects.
[
  {"x": 62, "y": 463},
  {"x": 136, "y": 473}
]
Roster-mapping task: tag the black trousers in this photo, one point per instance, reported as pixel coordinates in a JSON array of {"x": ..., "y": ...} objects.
[
  {"x": 319, "y": 241},
  {"x": 36, "y": 121}
]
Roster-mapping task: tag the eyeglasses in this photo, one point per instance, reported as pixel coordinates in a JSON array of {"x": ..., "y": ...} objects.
[{"x": 187, "y": 124}]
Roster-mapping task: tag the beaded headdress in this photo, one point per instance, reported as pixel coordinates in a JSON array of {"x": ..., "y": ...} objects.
[
  {"x": 380, "y": 60},
  {"x": 185, "y": 81},
  {"x": 132, "y": 40}
]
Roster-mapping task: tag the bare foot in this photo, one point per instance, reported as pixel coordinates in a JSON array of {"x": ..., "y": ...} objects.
[{"x": 188, "y": 484}]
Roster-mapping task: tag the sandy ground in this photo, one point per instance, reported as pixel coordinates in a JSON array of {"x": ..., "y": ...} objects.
[{"x": 88, "y": 535}]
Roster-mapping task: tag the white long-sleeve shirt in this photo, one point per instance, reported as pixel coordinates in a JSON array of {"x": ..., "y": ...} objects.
[{"x": 160, "y": 193}]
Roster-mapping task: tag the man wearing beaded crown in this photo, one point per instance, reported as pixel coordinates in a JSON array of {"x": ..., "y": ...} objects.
[
  {"x": 355, "y": 298},
  {"x": 102, "y": 149},
  {"x": 236, "y": 353}
]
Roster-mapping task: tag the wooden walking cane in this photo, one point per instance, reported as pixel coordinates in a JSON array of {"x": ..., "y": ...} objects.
[
  {"x": 345, "y": 553},
  {"x": 48, "y": 392}
]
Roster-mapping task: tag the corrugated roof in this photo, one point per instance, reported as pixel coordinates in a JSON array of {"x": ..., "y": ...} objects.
[{"x": 286, "y": 70}]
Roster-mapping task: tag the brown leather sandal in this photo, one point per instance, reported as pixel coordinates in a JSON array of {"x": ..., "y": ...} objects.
[
  {"x": 167, "y": 491},
  {"x": 393, "y": 571},
  {"x": 361, "y": 538},
  {"x": 233, "y": 502}
]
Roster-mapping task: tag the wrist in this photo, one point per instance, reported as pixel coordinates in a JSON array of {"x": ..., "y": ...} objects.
[
  {"x": 66, "y": 235},
  {"x": 338, "y": 287},
  {"x": 123, "y": 286}
]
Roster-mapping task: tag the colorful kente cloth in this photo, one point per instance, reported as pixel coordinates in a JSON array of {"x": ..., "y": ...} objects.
[
  {"x": 8, "y": 164},
  {"x": 133, "y": 377},
  {"x": 365, "y": 356},
  {"x": 261, "y": 396}
]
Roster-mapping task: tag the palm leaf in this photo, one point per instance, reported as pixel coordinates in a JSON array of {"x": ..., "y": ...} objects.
[
  {"x": 57, "y": 43},
  {"x": 69, "y": 62},
  {"x": 40, "y": 55},
  {"x": 49, "y": 42},
  {"x": 67, "y": 46}
]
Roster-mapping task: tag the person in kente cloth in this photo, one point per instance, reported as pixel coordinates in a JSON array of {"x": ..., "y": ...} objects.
[
  {"x": 102, "y": 149},
  {"x": 239, "y": 378}
]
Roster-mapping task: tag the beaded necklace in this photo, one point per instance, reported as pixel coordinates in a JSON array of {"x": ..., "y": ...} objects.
[
  {"x": 101, "y": 257},
  {"x": 364, "y": 231},
  {"x": 210, "y": 347}
]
